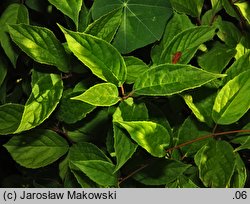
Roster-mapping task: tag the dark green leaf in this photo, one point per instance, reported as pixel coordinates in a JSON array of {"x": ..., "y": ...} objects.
[{"x": 37, "y": 148}]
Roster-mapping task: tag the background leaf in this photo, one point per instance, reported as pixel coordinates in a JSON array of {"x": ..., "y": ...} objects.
[
  {"x": 37, "y": 148},
  {"x": 136, "y": 29},
  {"x": 103, "y": 94},
  {"x": 231, "y": 102},
  {"x": 35, "y": 40},
  {"x": 169, "y": 79}
]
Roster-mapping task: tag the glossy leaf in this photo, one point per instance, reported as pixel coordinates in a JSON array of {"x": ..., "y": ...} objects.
[
  {"x": 103, "y": 94},
  {"x": 193, "y": 7},
  {"x": 161, "y": 172},
  {"x": 40, "y": 44},
  {"x": 231, "y": 102},
  {"x": 216, "y": 163},
  {"x": 187, "y": 42},
  {"x": 36, "y": 148},
  {"x": 101, "y": 57},
  {"x": 169, "y": 79},
  {"x": 45, "y": 96},
  {"x": 136, "y": 29},
  {"x": 106, "y": 26},
  {"x": 14, "y": 14},
  {"x": 135, "y": 67},
  {"x": 69, "y": 8},
  {"x": 100, "y": 172},
  {"x": 10, "y": 117},
  {"x": 71, "y": 111},
  {"x": 149, "y": 135}
]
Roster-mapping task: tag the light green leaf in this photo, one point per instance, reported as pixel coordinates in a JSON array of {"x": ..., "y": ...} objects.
[
  {"x": 186, "y": 42},
  {"x": 83, "y": 180},
  {"x": 84, "y": 151},
  {"x": 100, "y": 172},
  {"x": 136, "y": 29},
  {"x": 190, "y": 130},
  {"x": 40, "y": 44},
  {"x": 161, "y": 172},
  {"x": 193, "y": 7},
  {"x": 244, "y": 8},
  {"x": 106, "y": 26},
  {"x": 101, "y": 57},
  {"x": 216, "y": 163},
  {"x": 69, "y": 8},
  {"x": 239, "y": 177},
  {"x": 231, "y": 102},
  {"x": 135, "y": 67},
  {"x": 45, "y": 96},
  {"x": 71, "y": 111},
  {"x": 220, "y": 53},
  {"x": 36, "y": 148},
  {"x": 176, "y": 24},
  {"x": 13, "y": 14},
  {"x": 103, "y": 94},
  {"x": 169, "y": 79},
  {"x": 10, "y": 117},
  {"x": 124, "y": 147},
  {"x": 149, "y": 135}
]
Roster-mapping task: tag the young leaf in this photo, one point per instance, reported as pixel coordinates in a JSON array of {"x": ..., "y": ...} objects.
[
  {"x": 216, "y": 163},
  {"x": 69, "y": 8},
  {"x": 106, "y": 26},
  {"x": 14, "y": 14},
  {"x": 149, "y": 135},
  {"x": 37, "y": 148},
  {"x": 193, "y": 7},
  {"x": 100, "y": 172},
  {"x": 169, "y": 79},
  {"x": 161, "y": 172},
  {"x": 103, "y": 94},
  {"x": 136, "y": 29},
  {"x": 187, "y": 42},
  {"x": 46, "y": 93},
  {"x": 231, "y": 102},
  {"x": 40, "y": 44},
  {"x": 10, "y": 117},
  {"x": 101, "y": 57}
]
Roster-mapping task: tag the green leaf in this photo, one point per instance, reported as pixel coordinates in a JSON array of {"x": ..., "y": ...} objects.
[
  {"x": 161, "y": 172},
  {"x": 216, "y": 163},
  {"x": 69, "y": 8},
  {"x": 100, "y": 172},
  {"x": 243, "y": 139},
  {"x": 231, "y": 102},
  {"x": 71, "y": 111},
  {"x": 191, "y": 130},
  {"x": 40, "y": 44},
  {"x": 101, "y": 57},
  {"x": 193, "y": 7},
  {"x": 220, "y": 53},
  {"x": 239, "y": 177},
  {"x": 176, "y": 24},
  {"x": 106, "y": 26},
  {"x": 186, "y": 42},
  {"x": 3, "y": 70},
  {"x": 103, "y": 94},
  {"x": 10, "y": 117},
  {"x": 149, "y": 135},
  {"x": 136, "y": 29},
  {"x": 36, "y": 148},
  {"x": 169, "y": 79},
  {"x": 45, "y": 96},
  {"x": 244, "y": 8},
  {"x": 84, "y": 151},
  {"x": 13, "y": 14}
]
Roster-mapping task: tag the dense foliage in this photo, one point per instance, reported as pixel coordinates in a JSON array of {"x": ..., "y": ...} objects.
[{"x": 124, "y": 93}]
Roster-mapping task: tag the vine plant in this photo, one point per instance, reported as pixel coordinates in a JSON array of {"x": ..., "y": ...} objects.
[{"x": 124, "y": 93}]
